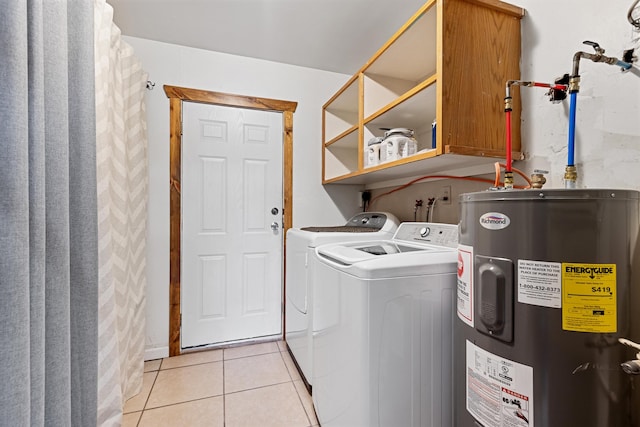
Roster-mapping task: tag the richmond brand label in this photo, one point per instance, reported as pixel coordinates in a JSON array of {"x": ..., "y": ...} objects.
[{"x": 494, "y": 221}]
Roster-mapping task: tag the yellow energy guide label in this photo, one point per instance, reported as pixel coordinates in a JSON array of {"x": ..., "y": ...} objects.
[{"x": 589, "y": 297}]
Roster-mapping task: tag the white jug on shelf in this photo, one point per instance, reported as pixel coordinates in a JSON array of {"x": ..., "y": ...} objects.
[
  {"x": 398, "y": 143},
  {"x": 372, "y": 152}
]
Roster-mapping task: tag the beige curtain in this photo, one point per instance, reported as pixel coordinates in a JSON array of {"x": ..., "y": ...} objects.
[{"x": 122, "y": 211}]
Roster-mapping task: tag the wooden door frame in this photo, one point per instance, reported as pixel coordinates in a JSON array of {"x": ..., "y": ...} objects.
[{"x": 176, "y": 96}]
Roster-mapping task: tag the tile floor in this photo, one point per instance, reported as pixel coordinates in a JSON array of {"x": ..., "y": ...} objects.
[{"x": 253, "y": 385}]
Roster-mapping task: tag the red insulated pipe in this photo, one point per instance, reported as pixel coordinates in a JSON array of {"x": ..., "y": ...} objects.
[
  {"x": 508, "y": 148},
  {"x": 507, "y": 110},
  {"x": 551, "y": 86}
]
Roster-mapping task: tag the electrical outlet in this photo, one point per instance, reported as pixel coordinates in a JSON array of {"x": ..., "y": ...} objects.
[{"x": 445, "y": 195}]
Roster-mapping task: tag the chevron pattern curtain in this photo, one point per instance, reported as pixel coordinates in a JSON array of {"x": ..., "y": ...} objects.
[
  {"x": 122, "y": 213},
  {"x": 48, "y": 227}
]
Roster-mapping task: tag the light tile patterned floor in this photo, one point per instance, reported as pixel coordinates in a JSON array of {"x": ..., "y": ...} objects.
[{"x": 254, "y": 385}]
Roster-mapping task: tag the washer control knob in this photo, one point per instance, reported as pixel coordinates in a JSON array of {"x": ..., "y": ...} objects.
[{"x": 424, "y": 231}]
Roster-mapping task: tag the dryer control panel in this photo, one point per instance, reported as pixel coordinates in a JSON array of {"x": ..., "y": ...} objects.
[
  {"x": 429, "y": 233},
  {"x": 375, "y": 220}
]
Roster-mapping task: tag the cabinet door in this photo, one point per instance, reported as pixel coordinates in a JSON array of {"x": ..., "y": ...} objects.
[{"x": 481, "y": 51}]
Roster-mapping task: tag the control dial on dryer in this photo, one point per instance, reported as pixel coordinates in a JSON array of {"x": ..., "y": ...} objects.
[{"x": 424, "y": 231}]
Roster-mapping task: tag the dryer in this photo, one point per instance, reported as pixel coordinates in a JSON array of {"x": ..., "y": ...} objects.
[
  {"x": 383, "y": 324},
  {"x": 300, "y": 273}
]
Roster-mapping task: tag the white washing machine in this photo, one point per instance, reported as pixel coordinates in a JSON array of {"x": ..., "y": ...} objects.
[
  {"x": 383, "y": 324},
  {"x": 300, "y": 273}
]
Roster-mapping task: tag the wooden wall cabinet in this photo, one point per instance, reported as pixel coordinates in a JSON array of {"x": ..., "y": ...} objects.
[{"x": 449, "y": 63}]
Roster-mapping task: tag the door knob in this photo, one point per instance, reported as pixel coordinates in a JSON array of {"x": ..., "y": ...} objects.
[{"x": 275, "y": 226}]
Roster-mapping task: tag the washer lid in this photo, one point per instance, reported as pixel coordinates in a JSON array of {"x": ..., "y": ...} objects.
[
  {"x": 350, "y": 253},
  {"x": 313, "y": 239},
  {"x": 353, "y": 261}
]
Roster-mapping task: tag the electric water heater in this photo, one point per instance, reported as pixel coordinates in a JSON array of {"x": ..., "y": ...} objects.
[{"x": 547, "y": 288}]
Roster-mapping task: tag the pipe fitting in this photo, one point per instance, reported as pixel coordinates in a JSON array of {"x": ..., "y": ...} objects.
[
  {"x": 574, "y": 84},
  {"x": 508, "y": 104},
  {"x": 508, "y": 180},
  {"x": 597, "y": 57},
  {"x": 631, "y": 367},
  {"x": 538, "y": 179},
  {"x": 570, "y": 176}
]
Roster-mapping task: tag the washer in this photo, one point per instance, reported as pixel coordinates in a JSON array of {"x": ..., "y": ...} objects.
[
  {"x": 300, "y": 273},
  {"x": 383, "y": 324}
]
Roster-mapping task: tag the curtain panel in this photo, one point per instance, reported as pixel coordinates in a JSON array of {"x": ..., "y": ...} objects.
[
  {"x": 122, "y": 215},
  {"x": 48, "y": 215}
]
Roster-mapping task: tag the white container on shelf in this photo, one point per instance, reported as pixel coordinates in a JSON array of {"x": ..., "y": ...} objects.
[
  {"x": 372, "y": 152},
  {"x": 398, "y": 143}
]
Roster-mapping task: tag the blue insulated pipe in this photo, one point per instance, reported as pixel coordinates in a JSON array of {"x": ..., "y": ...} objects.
[
  {"x": 574, "y": 87},
  {"x": 572, "y": 130},
  {"x": 624, "y": 65}
]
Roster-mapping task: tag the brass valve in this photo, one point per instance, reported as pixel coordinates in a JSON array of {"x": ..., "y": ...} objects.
[{"x": 538, "y": 179}]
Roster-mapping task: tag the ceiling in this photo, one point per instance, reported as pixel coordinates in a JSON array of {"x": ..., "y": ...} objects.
[{"x": 331, "y": 35}]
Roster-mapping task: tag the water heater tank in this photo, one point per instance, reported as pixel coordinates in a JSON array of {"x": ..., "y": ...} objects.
[{"x": 547, "y": 284}]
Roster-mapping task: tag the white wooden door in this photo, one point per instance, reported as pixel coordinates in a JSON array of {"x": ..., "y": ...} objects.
[{"x": 231, "y": 193}]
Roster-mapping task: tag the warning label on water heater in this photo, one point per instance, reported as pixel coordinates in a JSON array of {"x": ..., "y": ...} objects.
[
  {"x": 589, "y": 298},
  {"x": 539, "y": 283},
  {"x": 499, "y": 391},
  {"x": 465, "y": 284}
]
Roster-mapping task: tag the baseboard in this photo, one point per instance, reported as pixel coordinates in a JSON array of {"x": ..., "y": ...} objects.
[{"x": 156, "y": 353}]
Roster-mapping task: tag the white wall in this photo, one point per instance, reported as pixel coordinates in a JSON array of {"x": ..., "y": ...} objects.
[
  {"x": 608, "y": 114},
  {"x": 607, "y": 129},
  {"x": 180, "y": 66}
]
